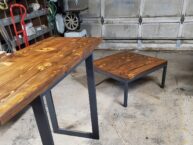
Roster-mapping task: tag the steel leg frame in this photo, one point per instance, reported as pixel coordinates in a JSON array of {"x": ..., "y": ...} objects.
[
  {"x": 92, "y": 96},
  {"x": 52, "y": 112},
  {"x": 93, "y": 107},
  {"x": 164, "y": 76},
  {"x": 126, "y": 84},
  {"x": 42, "y": 121}
]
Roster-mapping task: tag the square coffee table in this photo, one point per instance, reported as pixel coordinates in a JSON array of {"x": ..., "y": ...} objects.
[{"x": 127, "y": 67}]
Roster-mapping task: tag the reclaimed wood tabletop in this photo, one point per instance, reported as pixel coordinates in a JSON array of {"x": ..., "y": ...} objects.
[
  {"x": 30, "y": 72},
  {"x": 127, "y": 65}
]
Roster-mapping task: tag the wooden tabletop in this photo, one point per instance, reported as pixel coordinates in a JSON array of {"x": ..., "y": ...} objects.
[
  {"x": 127, "y": 65},
  {"x": 28, "y": 73}
]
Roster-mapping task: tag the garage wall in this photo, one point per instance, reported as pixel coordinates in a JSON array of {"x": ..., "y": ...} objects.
[{"x": 141, "y": 24}]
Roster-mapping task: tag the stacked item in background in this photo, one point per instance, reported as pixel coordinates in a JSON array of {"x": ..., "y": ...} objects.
[
  {"x": 68, "y": 21},
  {"x": 37, "y": 27}
]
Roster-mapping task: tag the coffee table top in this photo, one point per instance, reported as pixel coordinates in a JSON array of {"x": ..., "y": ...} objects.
[
  {"x": 127, "y": 65},
  {"x": 28, "y": 73}
]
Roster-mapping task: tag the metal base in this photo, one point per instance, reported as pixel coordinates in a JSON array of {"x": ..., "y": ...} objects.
[
  {"x": 126, "y": 83},
  {"x": 42, "y": 121},
  {"x": 93, "y": 107},
  {"x": 164, "y": 76}
]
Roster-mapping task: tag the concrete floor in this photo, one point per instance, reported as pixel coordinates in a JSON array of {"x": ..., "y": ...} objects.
[{"x": 154, "y": 116}]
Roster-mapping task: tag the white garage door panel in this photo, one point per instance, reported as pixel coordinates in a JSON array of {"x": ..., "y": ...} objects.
[
  {"x": 117, "y": 19},
  {"x": 122, "y": 8},
  {"x": 93, "y": 9},
  {"x": 153, "y": 8},
  {"x": 165, "y": 30},
  {"x": 188, "y": 30},
  {"x": 189, "y": 10},
  {"x": 92, "y": 29},
  {"x": 120, "y": 31}
]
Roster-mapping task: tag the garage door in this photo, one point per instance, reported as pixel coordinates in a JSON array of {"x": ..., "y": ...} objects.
[{"x": 141, "y": 20}]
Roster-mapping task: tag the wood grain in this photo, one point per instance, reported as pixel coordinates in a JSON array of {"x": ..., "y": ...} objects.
[
  {"x": 127, "y": 65},
  {"x": 28, "y": 73}
]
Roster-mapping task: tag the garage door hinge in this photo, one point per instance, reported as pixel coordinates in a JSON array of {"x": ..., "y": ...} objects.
[
  {"x": 182, "y": 19},
  {"x": 102, "y": 20},
  {"x": 140, "y": 20}
]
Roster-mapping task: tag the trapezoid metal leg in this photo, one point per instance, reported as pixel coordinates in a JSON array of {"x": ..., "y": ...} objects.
[
  {"x": 42, "y": 121},
  {"x": 54, "y": 120},
  {"x": 52, "y": 112},
  {"x": 92, "y": 96},
  {"x": 93, "y": 107}
]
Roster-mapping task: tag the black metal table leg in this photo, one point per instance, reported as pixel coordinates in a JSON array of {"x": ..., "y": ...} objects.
[
  {"x": 42, "y": 121},
  {"x": 92, "y": 96},
  {"x": 54, "y": 120},
  {"x": 126, "y": 85},
  {"x": 52, "y": 112},
  {"x": 93, "y": 107},
  {"x": 164, "y": 76}
]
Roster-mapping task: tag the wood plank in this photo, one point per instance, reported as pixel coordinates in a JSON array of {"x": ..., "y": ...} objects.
[
  {"x": 30, "y": 72},
  {"x": 127, "y": 65}
]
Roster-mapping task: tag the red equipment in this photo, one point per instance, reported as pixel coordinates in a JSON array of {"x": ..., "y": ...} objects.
[{"x": 23, "y": 14}]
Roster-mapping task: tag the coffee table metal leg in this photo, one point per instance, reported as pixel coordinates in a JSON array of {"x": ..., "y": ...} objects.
[
  {"x": 164, "y": 76},
  {"x": 42, "y": 121},
  {"x": 92, "y": 96},
  {"x": 126, "y": 85}
]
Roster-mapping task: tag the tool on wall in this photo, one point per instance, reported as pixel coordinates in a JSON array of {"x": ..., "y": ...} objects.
[
  {"x": 3, "y": 31},
  {"x": 34, "y": 7},
  {"x": 23, "y": 14},
  {"x": 11, "y": 47},
  {"x": 3, "y": 5}
]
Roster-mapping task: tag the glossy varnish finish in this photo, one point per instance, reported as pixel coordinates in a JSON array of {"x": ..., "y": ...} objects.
[
  {"x": 127, "y": 65},
  {"x": 28, "y": 73}
]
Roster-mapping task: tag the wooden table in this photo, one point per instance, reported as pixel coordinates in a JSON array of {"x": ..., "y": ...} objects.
[
  {"x": 27, "y": 75},
  {"x": 127, "y": 67}
]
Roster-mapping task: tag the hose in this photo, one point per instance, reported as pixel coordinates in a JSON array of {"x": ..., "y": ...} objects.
[{"x": 52, "y": 13}]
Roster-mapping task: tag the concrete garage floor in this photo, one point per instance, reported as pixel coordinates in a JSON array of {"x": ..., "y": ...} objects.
[{"x": 154, "y": 116}]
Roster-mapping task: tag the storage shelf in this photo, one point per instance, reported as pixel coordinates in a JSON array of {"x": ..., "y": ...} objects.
[
  {"x": 38, "y": 34},
  {"x": 7, "y": 21},
  {"x": 37, "y": 18},
  {"x": 32, "y": 37}
]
